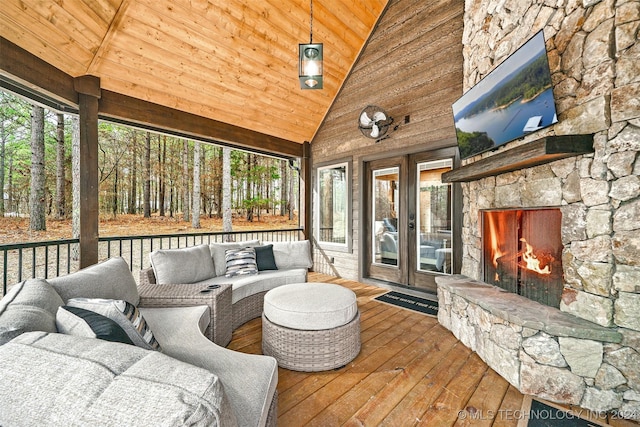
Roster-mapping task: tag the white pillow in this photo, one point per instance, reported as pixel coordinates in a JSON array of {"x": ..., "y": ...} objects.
[
  {"x": 218, "y": 253},
  {"x": 295, "y": 254},
  {"x": 184, "y": 265},
  {"x": 126, "y": 315}
]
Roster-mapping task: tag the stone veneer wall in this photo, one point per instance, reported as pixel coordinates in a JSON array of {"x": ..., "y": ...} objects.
[{"x": 594, "y": 58}]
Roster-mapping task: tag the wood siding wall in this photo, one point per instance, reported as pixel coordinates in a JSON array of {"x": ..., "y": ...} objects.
[{"x": 411, "y": 66}]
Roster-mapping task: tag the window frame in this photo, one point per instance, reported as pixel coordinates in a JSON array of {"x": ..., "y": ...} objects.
[{"x": 318, "y": 169}]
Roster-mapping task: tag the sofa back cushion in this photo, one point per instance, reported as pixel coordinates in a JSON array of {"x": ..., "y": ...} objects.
[
  {"x": 55, "y": 379},
  {"x": 28, "y": 306},
  {"x": 110, "y": 279},
  {"x": 296, "y": 254},
  {"x": 218, "y": 253},
  {"x": 184, "y": 265}
]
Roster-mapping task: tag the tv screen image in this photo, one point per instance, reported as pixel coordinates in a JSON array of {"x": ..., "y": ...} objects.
[{"x": 513, "y": 100}]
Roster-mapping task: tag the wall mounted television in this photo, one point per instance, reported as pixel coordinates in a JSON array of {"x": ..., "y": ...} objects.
[{"x": 513, "y": 100}]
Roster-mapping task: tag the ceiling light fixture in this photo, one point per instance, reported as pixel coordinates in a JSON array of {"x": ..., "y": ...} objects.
[{"x": 310, "y": 61}]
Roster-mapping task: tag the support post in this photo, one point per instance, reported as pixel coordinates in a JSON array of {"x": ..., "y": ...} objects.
[
  {"x": 306, "y": 191},
  {"x": 88, "y": 88}
]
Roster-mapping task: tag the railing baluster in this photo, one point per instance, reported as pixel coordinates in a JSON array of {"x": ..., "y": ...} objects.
[
  {"x": 33, "y": 262},
  {"x": 19, "y": 265}
]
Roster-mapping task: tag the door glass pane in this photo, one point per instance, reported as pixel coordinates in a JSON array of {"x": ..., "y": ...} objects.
[
  {"x": 332, "y": 204},
  {"x": 434, "y": 244},
  {"x": 385, "y": 215}
]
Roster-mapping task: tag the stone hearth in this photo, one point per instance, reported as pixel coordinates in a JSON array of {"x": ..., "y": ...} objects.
[{"x": 587, "y": 352}]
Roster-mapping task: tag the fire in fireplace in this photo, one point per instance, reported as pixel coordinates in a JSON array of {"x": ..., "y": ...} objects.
[{"x": 522, "y": 252}]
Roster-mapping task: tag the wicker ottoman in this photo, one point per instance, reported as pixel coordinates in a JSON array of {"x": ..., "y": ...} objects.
[{"x": 311, "y": 326}]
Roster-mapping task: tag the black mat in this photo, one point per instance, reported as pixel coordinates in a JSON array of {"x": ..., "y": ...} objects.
[
  {"x": 421, "y": 305},
  {"x": 545, "y": 414}
]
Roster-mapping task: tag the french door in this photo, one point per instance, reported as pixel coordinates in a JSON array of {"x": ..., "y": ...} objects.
[{"x": 408, "y": 220}]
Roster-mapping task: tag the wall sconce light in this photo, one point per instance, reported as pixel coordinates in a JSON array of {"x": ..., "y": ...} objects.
[{"x": 310, "y": 61}]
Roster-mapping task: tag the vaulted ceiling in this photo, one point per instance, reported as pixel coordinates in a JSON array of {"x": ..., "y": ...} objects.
[{"x": 233, "y": 61}]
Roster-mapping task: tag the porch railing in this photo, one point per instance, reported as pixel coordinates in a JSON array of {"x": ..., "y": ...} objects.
[{"x": 55, "y": 258}]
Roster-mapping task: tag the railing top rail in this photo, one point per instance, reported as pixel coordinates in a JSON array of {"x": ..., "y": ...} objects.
[
  {"x": 13, "y": 246},
  {"x": 204, "y": 233}
]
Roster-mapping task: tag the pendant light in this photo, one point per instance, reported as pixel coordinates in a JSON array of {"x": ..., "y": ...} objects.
[{"x": 310, "y": 61}]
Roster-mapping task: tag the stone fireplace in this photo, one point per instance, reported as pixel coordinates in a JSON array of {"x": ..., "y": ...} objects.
[{"x": 584, "y": 350}]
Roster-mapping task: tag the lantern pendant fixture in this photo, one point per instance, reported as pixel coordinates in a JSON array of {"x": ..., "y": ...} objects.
[{"x": 310, "y": 61}]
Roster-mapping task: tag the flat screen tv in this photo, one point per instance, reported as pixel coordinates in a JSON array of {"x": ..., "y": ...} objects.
[{"x": 513, "y": 100}]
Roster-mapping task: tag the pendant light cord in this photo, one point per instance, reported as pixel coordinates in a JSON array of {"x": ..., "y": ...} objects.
[{"x": 311, "y": 24}]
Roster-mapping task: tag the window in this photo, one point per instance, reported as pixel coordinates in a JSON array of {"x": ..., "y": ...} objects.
[{"x": 333, "y": 217}]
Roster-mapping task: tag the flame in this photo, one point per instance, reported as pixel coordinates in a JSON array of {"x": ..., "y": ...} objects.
[
  {"x": 532, "y": 261},
  {"x": 496, "y": 252}
]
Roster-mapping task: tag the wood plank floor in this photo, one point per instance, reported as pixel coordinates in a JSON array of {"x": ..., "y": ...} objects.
[{"x": 410, "y": 371}]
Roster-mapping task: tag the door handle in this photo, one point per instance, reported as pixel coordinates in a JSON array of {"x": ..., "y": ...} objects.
[{"x": 411, "y": 226}]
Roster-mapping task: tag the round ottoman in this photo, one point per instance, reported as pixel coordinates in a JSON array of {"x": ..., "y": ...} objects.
[{"x": 311, "y": 326}]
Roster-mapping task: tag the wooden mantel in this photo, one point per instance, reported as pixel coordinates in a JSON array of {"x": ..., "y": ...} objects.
[{"x": 544, "y": 150}]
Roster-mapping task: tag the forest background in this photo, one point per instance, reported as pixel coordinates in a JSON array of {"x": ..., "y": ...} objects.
[{"x": 149, "y": 183}]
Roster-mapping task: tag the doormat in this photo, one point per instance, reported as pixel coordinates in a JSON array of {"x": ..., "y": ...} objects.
[
  {"x": 421, "y": 305},
  {"x": 540, "y": 413}
]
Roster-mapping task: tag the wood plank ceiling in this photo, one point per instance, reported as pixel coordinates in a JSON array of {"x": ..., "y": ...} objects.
[{"x": 234, "y": 61}]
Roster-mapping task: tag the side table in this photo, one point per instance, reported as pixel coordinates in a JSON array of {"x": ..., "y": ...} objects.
[{"x": 219, "y": 301}]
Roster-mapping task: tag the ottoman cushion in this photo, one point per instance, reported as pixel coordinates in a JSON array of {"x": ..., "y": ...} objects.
[{"x": 310, "y": 306}]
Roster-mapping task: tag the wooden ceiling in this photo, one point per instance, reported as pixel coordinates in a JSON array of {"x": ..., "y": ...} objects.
[{"x": 233, "y": 61}]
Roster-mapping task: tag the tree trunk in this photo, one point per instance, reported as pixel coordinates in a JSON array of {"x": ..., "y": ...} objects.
[
  {"x": 227, "y": 223},
  {"x": 114, "y": 206},
  {"x": 195, "y": 211},
  {"x": 133, "y": 183},
  {"x": 60, "y": 175},
  {"x": 147, "y": 177},
  {"x": 3, "y": 160},
  {"x": 37, "y": 220},
  {"x": 185, "y": 180},
  {"x": 75, "y": 185},
  {"x": 162, "y": 157}
]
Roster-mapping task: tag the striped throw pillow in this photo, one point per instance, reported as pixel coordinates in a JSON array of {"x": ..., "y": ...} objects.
[
  {"x": 124, "y": 314},
  {"x": 240, "y": 262}
]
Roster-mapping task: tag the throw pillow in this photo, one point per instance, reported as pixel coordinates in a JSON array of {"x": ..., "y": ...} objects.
[
  {"x": 184, "y": 265},
  {"x": 28, "y": 306},
  {"x": 218, "y": 253},
  {"x": 126, "y": 315},
  {"x": 294, "y": 254},
  {"x": 111, "y": 279},
  {"x": 84, "y": 323},
  {"x": 264, "y": 258},
  {"x": 240, "y": 262}
]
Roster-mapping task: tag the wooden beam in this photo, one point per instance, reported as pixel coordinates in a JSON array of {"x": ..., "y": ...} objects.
[
  {"x": 88, "y": 88},
  {"x": 35, "y": 75},
  {"x": 136, "y": 112},
  {"x": 544, "y": 150}
]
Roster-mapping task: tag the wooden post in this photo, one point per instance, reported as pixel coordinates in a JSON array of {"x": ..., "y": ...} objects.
[
  {"x": 305, "y": 190},
  {"x": 88, "y": 88}
]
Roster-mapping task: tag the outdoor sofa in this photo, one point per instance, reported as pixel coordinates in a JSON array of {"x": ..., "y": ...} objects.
[
  {"x": 53, "y": 378},
  {"x": 278, "y": 263}
]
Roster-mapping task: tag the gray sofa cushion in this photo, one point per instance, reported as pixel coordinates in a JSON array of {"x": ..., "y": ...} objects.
[
  {"x": 244, "y": 286},
  {"x": 218, "y": 253},
  {"x": 55, "y": 380},
  {"x": 295, "y": 254},
  {"x": 110, "y": 279},
  {"x": 249, "y": 380},
  {"x": 28, "y": 306},
  {"x": 184, "y": 265}
]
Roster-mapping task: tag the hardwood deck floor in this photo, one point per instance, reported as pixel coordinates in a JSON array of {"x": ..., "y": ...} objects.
[{"x": 410, "y": 371}]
